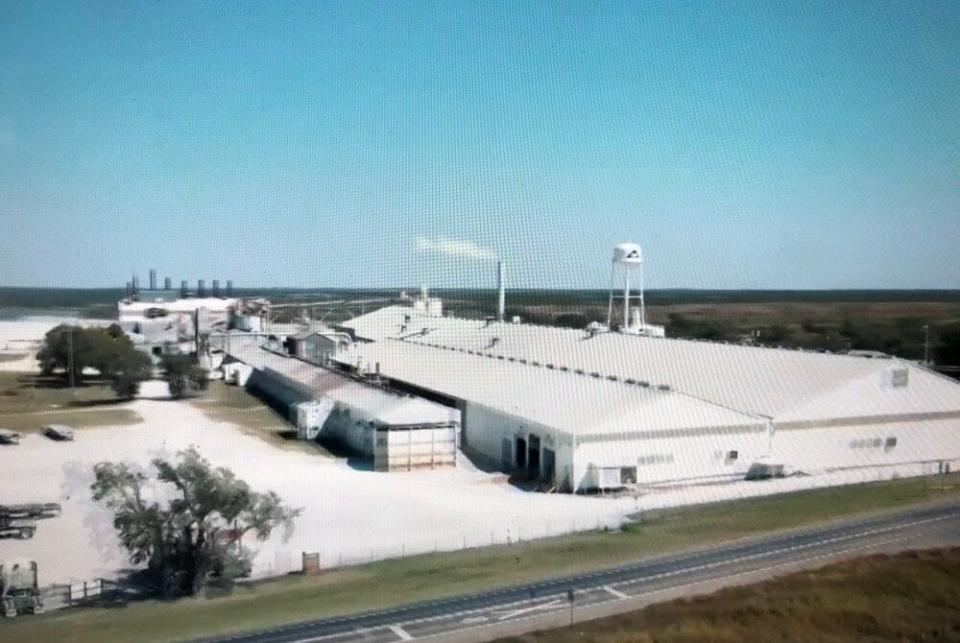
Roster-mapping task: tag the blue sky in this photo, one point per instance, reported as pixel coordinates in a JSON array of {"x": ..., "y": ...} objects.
[{"x": 744, "y": 145}]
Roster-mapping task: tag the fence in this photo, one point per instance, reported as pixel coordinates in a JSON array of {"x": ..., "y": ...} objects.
[
  {"x": 59, "y": 596},
  {"x": 344, "y": 554}
]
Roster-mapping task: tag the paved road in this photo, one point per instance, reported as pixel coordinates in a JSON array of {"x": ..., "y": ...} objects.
[{"x": 478, "y": 616}]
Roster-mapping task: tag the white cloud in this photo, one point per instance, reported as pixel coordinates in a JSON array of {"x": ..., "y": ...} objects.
[{"x": 455, "y": 248}]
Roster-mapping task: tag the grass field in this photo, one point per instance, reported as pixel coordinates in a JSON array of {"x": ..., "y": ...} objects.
[
  {"x": 394, "y": 582},
  {"x": 29, "y": 401},
  {"x": 913, "y": 596},
  {"x": 234, "y": 404}
]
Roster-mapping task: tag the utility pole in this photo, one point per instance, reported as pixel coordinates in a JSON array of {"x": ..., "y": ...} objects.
[{"x": 70, "y": 354}]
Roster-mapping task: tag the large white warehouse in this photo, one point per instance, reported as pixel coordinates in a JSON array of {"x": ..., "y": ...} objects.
[{"x": 592, "y": 410}]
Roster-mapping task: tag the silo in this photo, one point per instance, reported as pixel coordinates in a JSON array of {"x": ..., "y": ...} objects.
[
  {"x": 184, "y": 291},
  {"x": 153, "y": 279},
  {"x": 167, "y": 283},
  {"x": 201, "y": 288},
  {"x": 216, "y": 287}
]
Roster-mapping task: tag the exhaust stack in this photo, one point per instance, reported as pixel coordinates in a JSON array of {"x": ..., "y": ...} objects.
[{"x": 501, "y": 291}]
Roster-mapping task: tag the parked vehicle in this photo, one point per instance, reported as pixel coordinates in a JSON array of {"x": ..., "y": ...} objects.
[
  {"x": 58, "y": 432},
  {"x": 37, "y": 510},
  {"x": 9, "y": 437},
  {"x": 11, "y": 528},
  {"x": 17, "y": 521},
  {"x": 19, "y": 589}
]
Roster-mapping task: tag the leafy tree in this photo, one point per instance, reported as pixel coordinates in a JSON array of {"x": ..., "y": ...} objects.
[
  {"x": 183, "y": 374},
  {"x": 571, "y": 320},
  {"x": 129, "y": 370},
  {"x": 774, "y": 334},
  {"x": 108, "y": 350},
  {"x": 194, "y": 539},
  {"x": 947, "y": 351}
]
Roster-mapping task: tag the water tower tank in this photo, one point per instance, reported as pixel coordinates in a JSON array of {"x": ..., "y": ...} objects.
[{"x": 628, "y": 254}]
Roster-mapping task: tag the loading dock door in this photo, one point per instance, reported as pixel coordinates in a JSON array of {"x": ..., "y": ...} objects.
[
  {"x": 549, "y": 464},
  {"x": 506, "y": 452},
  {"x": 533, "y": 457},
  {"x": 521, "y": 453}
]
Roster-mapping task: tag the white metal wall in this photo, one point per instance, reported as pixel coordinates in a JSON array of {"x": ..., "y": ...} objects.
[
  {"x": 710, "y": 455},
  {"x": 836, "y": 447}
]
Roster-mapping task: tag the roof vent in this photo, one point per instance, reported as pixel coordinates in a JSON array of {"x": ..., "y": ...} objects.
[{"x": 664, "y": 387}]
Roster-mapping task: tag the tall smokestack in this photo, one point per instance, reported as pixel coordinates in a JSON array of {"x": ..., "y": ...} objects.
[
  {"x": 229, "y": 288},
  {"x": 167, "y": 284},
  {"x": 136, "y": 284},
  {"x": 129, "y": 289},
  {"x": 501, "y": 290},
  {"x": 216, "y": 287},
  {"x": 184, "y": 290},
  {"x": 201, "y": 288},
  {"x": 153, "y": 279}
]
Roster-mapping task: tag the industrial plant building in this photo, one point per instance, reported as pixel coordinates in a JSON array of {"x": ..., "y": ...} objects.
[
  {"x": 606, "y": 407},
  {"x": 595, "y": 410}
]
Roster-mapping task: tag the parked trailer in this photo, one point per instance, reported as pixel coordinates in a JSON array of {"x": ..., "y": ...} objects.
[
  {"x": 19, "y": 589},
  {"x": 58, "y": 432},
  {"x": 32, "y": 511},
  {"x": 9, "y": 437},
  {"x": 10, "y": 528}
]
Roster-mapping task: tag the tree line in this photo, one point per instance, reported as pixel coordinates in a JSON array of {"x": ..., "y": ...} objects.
[{"x": 71, "y": 350}]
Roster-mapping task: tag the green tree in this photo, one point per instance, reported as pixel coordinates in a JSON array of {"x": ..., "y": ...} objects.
[
  {"x": 65, "y": 347},
  {"x": 183, "y": 374},
  {"x": 194, "y": 539},
  {"x": 71, "y": 349},
  {"x": 129, "y": 370},
  {"x": 947, "y": 351}
]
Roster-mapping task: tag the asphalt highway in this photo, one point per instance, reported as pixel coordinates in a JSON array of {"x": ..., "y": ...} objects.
[{"x": 478, "y": 616}]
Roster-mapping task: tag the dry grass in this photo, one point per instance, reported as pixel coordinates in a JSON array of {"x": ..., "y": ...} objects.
[
  {"x": 233, "y": 404},
  {"x": 907, "y": 597},
  {"x": 29, "y": 401}
]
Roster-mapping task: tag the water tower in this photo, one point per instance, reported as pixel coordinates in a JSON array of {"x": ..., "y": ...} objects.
[{"x": 627, "y": 261}]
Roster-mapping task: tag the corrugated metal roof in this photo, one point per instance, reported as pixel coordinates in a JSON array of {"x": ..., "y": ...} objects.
[
  {"x": 573, "y": 403},
  {"x": 754, "y": 380},
  {"x": 373, "y": 403}
]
